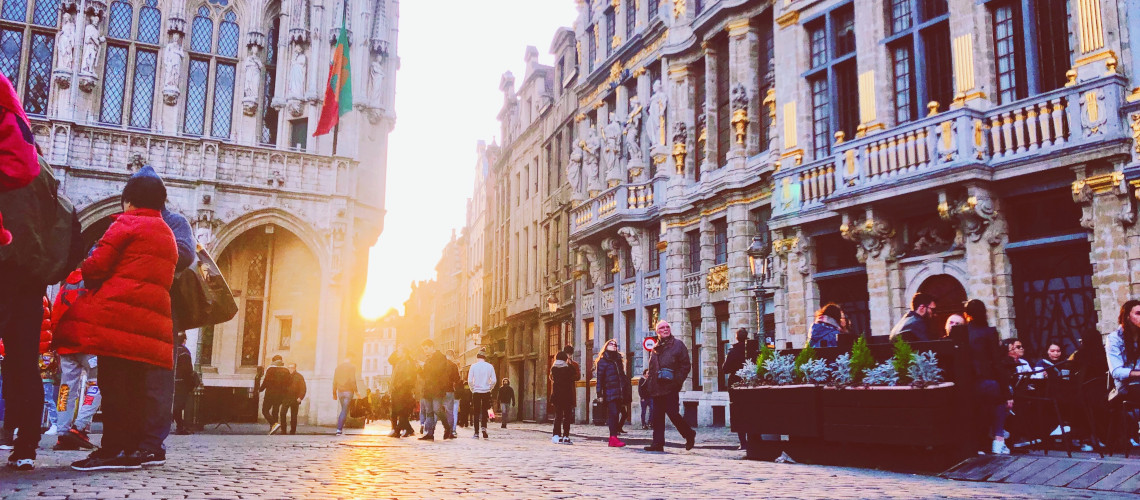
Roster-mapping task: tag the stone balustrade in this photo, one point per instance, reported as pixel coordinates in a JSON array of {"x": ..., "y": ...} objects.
[
  {"x": 112, "y": 150},
  {"x": 1054, "y": 123},
  {"x": 616, "y": 204},
  {"x": 693, "y": 284}
]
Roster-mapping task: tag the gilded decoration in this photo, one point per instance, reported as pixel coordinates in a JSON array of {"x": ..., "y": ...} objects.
[
  {"x": 740, "y": 112},
  {"x": 870, "y": 235},
  {"x": 782, "y": 247},
  {"x": 717, "y": 279},
  {"x": 617, "y": 69},
  {"x": 678, "y": 9},
  {"x": 1135, "y": 124},
  {"x": 788, "y": 19}
]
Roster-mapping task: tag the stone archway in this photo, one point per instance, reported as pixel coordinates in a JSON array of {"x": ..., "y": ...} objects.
[{"x": 949, "y": 295}]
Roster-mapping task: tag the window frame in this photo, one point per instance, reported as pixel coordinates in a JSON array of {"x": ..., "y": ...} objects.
[
  {"x": 918, "y": 39},
  {"x": 215, "y": 60},
  {"x": 827, "y": 69}
]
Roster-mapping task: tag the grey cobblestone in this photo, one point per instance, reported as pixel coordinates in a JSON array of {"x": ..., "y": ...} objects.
[{"x": 517, "y": 463}]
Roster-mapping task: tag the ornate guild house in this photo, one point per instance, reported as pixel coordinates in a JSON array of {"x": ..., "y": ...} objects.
[
  {"x": 740, "y": 163},
  {"x": 220, "y": 97}
]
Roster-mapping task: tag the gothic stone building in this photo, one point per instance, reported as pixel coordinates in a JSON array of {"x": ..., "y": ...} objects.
[
  {"x": 877, "y": 148},
  {"x": 220, "y": 98}
]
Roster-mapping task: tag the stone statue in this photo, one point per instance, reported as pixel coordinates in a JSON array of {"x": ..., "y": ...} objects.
[
  {"x": 65, "y": 43},
  {"x": 594, "y": 266},
  {"x": 574, "y": 171},
  {"x": 376, "y": 82},
  {"x": 297, "y": 72},
  {"x": 92, "y": 41},
  {"x": 591, "y": 146},
  {"x": 633, "y": 134},
  {"x": 251, "y": 82},
  {"x": 611, "y": 134},
  {"x": 636, "y": 248},
  {"x": 655, "y": 116},
  {"x": 172, "y": 56}
]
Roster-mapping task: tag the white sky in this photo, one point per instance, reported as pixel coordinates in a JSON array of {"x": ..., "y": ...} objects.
[{"x": 452, "y": 54}]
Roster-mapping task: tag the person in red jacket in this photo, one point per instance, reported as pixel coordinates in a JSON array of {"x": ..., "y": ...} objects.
[{"x": 125, "y": 320}]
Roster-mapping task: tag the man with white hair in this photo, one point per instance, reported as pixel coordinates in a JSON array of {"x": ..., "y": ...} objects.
[{"x": 668, "y": 368}]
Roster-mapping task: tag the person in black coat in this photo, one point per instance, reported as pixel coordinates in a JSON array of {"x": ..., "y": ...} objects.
[
  {"x": 992, "y": 388},
  {"x": 298, "y": 389},
  {"x": 185, "y": 381},
  {"x": 669, "y": 366},
  {"x": 733, "y": 362},
  {"x": 611, "y": 388},
  {"x": 562, "y": 376},
  {"x": 276, "y": 387}
]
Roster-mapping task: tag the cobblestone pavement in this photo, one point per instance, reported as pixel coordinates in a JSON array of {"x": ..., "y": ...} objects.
[{"x": 520, "y": 462}]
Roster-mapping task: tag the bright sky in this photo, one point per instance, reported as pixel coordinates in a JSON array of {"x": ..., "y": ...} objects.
[{"x": 452, "y": 54}]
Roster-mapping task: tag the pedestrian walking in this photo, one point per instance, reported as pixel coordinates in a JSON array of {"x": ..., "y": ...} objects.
[
  {"x": 344, "y": 389},
  {"x": 126, "y": 321},
  {"x": 437, "y": 379},
  {"x": 298, "y": 389},
  {"x": 611, "y": 389},
  {"x": 827, "y": 327},
  {"x": 403, "y": 382},
  {"x": 646, "y": 400},
  {"x": 464, "y": 397},
  {"x": 275, "y": 383},
  {"x": 79, "y": 397},
  {"x": 454, "y": 388},
  {"x": 913, "y": 326},
  {"x": 506, "y": 400},
  {"x": 668, "y": 368},
  {"x": 49, "y": 373},
  {"x": 185, "y": 381},
  {"x": 481, "y": 378},
  {"x": 562, "y": 376},
  {"x": 993, "y": 395},
  {"x": 734, "y": 361}
]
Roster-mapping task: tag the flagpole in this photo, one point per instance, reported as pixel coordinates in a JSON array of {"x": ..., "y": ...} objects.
[{"x": 336, "y": 133}]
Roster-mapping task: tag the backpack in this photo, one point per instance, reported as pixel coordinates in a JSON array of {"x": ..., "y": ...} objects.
[{"x": 47, "y": 243}]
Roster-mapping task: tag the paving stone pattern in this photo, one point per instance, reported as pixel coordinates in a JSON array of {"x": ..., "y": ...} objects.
[{"x": 517, "y": 463}]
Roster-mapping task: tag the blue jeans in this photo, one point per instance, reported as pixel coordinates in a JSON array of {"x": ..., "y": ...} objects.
[
  {"x": 49, "y": 401},
  {"x": 993, "y": 406},
  {"x": 438, "y": 409},
  {"x": 345, "y": 397},
  {"x": 646, "y": 405}
]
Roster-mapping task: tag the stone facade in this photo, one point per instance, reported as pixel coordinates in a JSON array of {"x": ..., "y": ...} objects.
[
  {"x": 220, "y": 98},
  {"x": 379, "y": 344}
]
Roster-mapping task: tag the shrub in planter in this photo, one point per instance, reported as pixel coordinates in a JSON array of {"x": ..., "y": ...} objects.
[
  {"x": 883, "y": 374},
  {"x": 924, "y": 370},
  {"x": 749, "y": 376},
  {"x": 806, "y": 354},
  {"x": 902, "y": 359},
  {"x": 861, "y": 360},
  {"x": 780, "y": 370},
  {"x": 841, "y": 371},
  {"x": 816, "y": 372},
  {"x": 766, "y": 353}
]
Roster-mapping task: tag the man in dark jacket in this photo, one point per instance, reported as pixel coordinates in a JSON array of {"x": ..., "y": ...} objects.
[
  {"x": 185, "y": 381},
  {"x": 275, "y": 383},
  {"x": 506, "y": 396},
  {"x": 733, "y": 362},
  {"x": 438, "y": 381},
  {"x": 668, "y": 368},
  {"x": 646, "y": 399},
  {"x": 297, "y": 392},
  {"x": 913, "y": 326}
]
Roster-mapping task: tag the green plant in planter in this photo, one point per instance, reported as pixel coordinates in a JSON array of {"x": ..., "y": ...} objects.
[
  {"x": 766, "y": 353},
  {"x": 748, "y": 375},
  {"x": 882, "y": 374},
  {"x": 861, "y": 360},
  {"x": 816, "y": 372},
  {"x": 841, "y": 371},
  {"x": 924, "y": 370},
  {"x": 780, "y": 370},
  {"x": 902, "y": 359},
  {"x": 805, "y": 355}
]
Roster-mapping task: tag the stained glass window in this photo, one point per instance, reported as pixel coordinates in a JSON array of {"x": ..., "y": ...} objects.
[
  {"x": 251, "y": 332},
  {"x": 15, "y": 10},
  {"x": 119, "y": 23},
  {"x": 46, "y": 12},
  {"x": 11, "y": 41},
  {"x": 228, "y": 36},
  {"x": 114, "y": 85},
  {"x": 150, "y": 23},
  {"x": 202, "y": 36},
  {"x": 223, "y": 100},
  {"x": 196, "y": 97},
  {"x": 142, "y": 95},
  {"x": 39, "y": 74}
]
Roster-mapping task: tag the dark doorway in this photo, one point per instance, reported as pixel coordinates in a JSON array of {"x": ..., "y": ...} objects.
[
  {"x": 1053, "y": 296},
  {"x": 849, "y": 292},
  {"x": 949, "y": 298}
]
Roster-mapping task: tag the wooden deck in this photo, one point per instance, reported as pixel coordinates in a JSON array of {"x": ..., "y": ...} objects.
[{"x": 1088, "y": 471}]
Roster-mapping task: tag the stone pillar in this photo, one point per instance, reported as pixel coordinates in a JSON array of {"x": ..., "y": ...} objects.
[
  {"x": 795, "y": 299},
  {"x": 874, "y": 239},
  {"x": 742, "y": 305},
  {"x": 709, "y": 159},
  {"x": 966, "y": 19},
  {"x": 791, "y": 41},
  {"x": 1109, "y": 213},
  {"x": 982, "y": 229},
  {"x": 324, "y": 410},
  {"x": 876, "y": 87},
  {"x": 744, "y": 65},
  {"x": 680, "y": 114}
]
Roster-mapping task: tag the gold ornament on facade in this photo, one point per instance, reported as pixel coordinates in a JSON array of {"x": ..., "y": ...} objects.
[
  {"x": 840, "y": 137},
  {"x": 1071, "y": 78},
  {"x": 932, "y": 107},
  {"x": 717, "y": 279},
  {"x": 781, "y": 247},
  {"x": 680, "y": 150},
  {"x": 740, "y": 112},
  {"x": 678, "y": 9},
  {"x": 1135, "y": 125},
  {"x": 616, "y": 41}
]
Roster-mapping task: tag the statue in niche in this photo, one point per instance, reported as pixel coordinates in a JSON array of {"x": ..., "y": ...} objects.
[
  {"x": 172, "y": 56},
  {"x": 574, "y": 170},
  {"x": 636, "y": 251},
  {"x": 65, "y": 43},
  {"x": 611, "y": 134},
  {"x": 655, "y": 116},
  {"x": 297, "y": 72},
  {"x": 591, "y": 145},
  {"x": 92, "y": 42},
  {"x": 633, "y": 134},
  {"x": 252, "y": 81},
  {"x": 376, "y": 82}
]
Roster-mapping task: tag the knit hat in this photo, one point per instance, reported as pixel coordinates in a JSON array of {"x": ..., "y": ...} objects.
[{"x": 145, "y": 189}]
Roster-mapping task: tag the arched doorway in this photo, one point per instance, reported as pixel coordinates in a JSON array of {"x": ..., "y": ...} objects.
[{"x": 949, "y": 296}]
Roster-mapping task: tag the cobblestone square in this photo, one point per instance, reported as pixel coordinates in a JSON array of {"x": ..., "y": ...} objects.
[{"x": 519, "y": 462}]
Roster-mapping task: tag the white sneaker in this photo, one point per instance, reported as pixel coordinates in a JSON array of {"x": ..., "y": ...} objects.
[
  {"x": 555, "y": 439},
  {"x": 999, "y": 448},
  {"x": 1060, "y": 430},
  {"x": 51, "y": 431}
]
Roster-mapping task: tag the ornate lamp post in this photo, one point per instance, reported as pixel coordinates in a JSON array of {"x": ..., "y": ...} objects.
[{"x": 760, "y": 263}]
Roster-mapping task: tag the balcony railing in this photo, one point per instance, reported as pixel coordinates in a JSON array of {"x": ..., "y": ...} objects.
[
  {"x": 622, "y": 200},
  {"x": 1048, "y": 124},
  {"x": 693, "y": 283}
]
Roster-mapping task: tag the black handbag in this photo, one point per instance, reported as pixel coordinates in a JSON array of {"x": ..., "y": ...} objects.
[{"x": 200, "y": 295}]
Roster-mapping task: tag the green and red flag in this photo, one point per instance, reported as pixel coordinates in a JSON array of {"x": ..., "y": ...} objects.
[{"x": 338, "y": 92}]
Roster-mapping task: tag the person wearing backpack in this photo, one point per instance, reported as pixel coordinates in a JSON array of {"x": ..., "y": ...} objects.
[{"x": 37, "y": 247}]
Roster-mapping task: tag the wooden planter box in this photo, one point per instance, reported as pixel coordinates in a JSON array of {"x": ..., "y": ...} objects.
[
  {"x": 791, "y": 410},
  {"x": 892, "y": 415}
]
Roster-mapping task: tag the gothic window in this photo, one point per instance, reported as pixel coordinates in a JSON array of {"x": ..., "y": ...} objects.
[
  {"x": 720, "y": 242},
  {"x": 611, "y": 31},
  {"x": 592, "y": 45},
  {"x": 268, "y": 112},
  {"x": 724, "y": 135},
  {"x": 919, "y": 46},
  {"x": 767, "y": 75},
  {"x": 254, "y": 305},
  {"x": 653, "y": 10},
  {"x": 114, "y": 84},
  {"x": 832, "y": 79},
  {"x": 630, "y": 17},
  {"x": 130, "y": 69},
  {"x": 150, "y": 23},
  {"x": 223, "y": 64},
  {"x": 23, "y": 34},
  {"x": 119, "y": 20},
  {"x": 1022, "y": 72},
  {"x": 693, "y": 242}
]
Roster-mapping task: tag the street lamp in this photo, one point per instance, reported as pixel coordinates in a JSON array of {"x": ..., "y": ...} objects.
[
  {"x": 760, "y": 263},
  {"x": 552, "y": 304}
]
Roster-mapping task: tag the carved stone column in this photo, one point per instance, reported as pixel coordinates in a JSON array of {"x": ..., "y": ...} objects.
[
  {"x": 875, "y": 246},
  {"x": 743, "y": 45},
  {"x": 742, "y": 306},
  {"x": 1109, "y": 213},
  {"x": 795, "y": 299},
  {"x": 982, "y": 233},
  {"x": 710, "y": 126}
]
